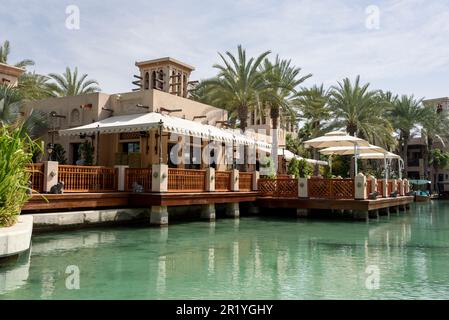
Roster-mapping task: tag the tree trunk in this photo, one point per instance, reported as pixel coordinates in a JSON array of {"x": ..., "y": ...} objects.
[
  {"x": 351, "y": 129},
  {"x": 274, "y": 115},
  {"x": 243, "y": 117}
]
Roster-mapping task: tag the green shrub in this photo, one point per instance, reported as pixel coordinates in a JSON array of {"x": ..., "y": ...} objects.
[
  {"x": 299, "y": 168},
  {"x": 16, "y": 151}
]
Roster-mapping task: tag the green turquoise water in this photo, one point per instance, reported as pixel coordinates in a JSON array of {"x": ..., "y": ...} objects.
[{"x": 250, "y": 258}]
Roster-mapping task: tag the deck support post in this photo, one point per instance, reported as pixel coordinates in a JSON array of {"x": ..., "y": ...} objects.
[
  {"x": 374, "y": 214},
  {"x": 360, "y": 215},
  {"x": 208, "y": 212},
  {"x": 387, "y": 211},
  {"x": 253, "y": 209},
  {"x": 407, "y": 206},
  {"x": 121, "y": 177},
  {"x": 396, "y": 209},
  {"x": 159, "y": 178},
  {"x": 234, "y": 180},
  {"x": 210, "y": 179},
  {"x": 302, "y": 213},
  {"x": 159, "y": 215},
  {"x": 50, "y": 174},
  {"x": 233, "y": 210}
]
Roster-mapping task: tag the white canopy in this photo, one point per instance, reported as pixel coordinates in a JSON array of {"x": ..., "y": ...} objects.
[
  {"x": 378, "y": 155},
  {"x": 147, "y": 121},
  {"x": 288, "y": 155},
  {"x": 335, "y": 139},
  {"x": 350, "y": 150}
]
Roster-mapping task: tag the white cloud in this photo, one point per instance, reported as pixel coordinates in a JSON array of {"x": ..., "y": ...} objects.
[{"x": 408, "y": 54}]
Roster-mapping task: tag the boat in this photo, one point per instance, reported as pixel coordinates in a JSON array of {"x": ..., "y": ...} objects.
[
  {"x": 421, "y": 190},
  {"x": 422, "y": 198}
]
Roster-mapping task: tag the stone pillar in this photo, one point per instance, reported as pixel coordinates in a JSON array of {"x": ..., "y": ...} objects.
[
  {"x": 210, "y": 179},
  {"x": 385, "y": 189},
  {"x": 406, "y": 186},
  {"x": 395, "y": 185},
  {"x": 50, "y": 174},
  {"x": 234, "y": 180},
  {"x": 232, "y": 210},
  {"x": 256, "y": 176},
  {"x": 360, "y": 192},
  {"x": 121, "y": 171},
  {"x": 159, "y": 215},
  {"x": 208, "y": 212},
  {"x": 159, "y": 178},
  {"x": 303, "y": 191},
  {"x": 401, "y": 187}
]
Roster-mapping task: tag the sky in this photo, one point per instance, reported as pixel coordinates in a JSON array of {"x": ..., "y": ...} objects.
[{"x": 396, "y": 45}]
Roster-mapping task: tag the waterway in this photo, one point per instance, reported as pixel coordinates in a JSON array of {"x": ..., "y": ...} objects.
[{"x": 401, "y": 257}]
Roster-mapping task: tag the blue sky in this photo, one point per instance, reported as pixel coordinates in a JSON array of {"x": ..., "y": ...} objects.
[{"x": 407, "y": 54}]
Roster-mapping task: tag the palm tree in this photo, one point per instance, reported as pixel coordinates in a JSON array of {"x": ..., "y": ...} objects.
[
  {"x": 68, "y": 84},
  {"x": 313, "y": 103},
  {"x": 404, "y": 114},
  {"x": 439, "y": 159},
  {"x": 238, "y": 83},
  {"x": 34, "y": 86},
  {"x": 281, "y": 80},
  {"x": 360, "y": 111},
  {"x": 12, "y": 112},
  {"x": 4, "y": 53}
]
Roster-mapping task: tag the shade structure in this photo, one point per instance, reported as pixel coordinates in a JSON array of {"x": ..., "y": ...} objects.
[
  {"x": 335, "y": 139},
  {"x": 350, "y": 150},
  {"x": 379, "y": 155},
  {"x": 290, "y": 155},
  {"x": 146, "y": 121}
]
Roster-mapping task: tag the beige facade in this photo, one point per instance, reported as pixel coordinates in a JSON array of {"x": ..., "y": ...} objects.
[{"x": 9, "y": 74}]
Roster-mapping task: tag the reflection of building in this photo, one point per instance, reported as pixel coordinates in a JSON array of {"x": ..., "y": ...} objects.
[
  {"x": 417, "y": 149},
  {"x": 10, "y": 74}
]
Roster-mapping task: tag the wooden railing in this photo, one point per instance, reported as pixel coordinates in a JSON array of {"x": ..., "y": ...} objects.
[
  {"x": 223, "y": 181},
  {"x": 390, "y": 187},
  {"x": 281, "y": 188},
  {"x": 87, "y": 179},
  {"x": 37, "y": 176},
  {"x": 141, "y": 176},
  {"x": 369, "y": 184},
  {"x": 245, "y": 181},
  {"x": 186, "y": 180},
  {"x": 380, "y": 187},
  {"x": 331, "y": 188}
]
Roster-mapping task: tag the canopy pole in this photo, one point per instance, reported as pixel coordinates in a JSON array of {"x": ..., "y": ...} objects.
[
  {"x": 401, "y": 166},
  {"x": 386, "y": 169},
  {"x": 355, "y": 160},
  {"x": 161, "y": 123}
]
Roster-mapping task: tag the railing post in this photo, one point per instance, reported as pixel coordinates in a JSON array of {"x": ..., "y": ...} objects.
[
  {"x": 303, "y": 190},
  {"x": 385, "y": 189},
  {"x": 360, "y": 187},
  {"x": 256, "y": 176},
  {"x": 401, "y": 187},
  {"x": 210, "y": 179},
  {"x": 50, "y": 175},
  {"x": 159, "y": 178},
  {"x": 234, "y": 180},
  {"x": 121, "y": 171},
  {"x": 373, "y": 184},
  {"x": 406, "y": 186}
]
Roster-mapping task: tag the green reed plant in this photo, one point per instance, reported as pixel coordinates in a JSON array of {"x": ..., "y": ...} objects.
[{"x": 16, "y": 151}]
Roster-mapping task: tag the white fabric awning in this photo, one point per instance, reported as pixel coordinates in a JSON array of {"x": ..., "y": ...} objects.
[
  {"x": 147, "y": 121},
  {"x": 288, "y": 155},
  {"x": 335, "y": 139},
  {"x": 378, "y": 155},
  {"x": 350, "y": 150}
]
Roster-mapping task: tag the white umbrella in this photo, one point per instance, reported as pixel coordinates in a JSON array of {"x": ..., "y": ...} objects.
[
  {"x": 386, "y": 155},
  {"x": 338, "y": 139},
  {"x": 350, "y": 150}
]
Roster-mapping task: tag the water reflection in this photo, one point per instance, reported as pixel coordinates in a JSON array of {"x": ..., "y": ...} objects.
[{"x": 250, "y": 258}]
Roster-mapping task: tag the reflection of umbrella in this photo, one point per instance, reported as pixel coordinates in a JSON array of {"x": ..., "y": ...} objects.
[{"x": 338, "y": 139}]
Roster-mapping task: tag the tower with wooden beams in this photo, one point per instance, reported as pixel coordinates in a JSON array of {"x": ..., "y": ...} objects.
[{"x": 165, "y": 74}]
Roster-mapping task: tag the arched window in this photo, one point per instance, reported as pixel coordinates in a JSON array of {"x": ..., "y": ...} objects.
[
  {"x": 147, "y": 81},
  {"x": 75, "y": 116},
  {"x": 153, "y": 77}
]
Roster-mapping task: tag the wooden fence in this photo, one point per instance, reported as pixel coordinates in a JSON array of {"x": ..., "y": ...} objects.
[
  {"x": 37, "y": 176},
  {"x": 223, "y": 181},
  {"x": 281, "y": 188},
  {"x": 186, "y": 180},
  {"x": 87, "y": 178},
  {"x": 331, "y": 188},
  {"x": 245, "y": 181},
  {"x": 141, "y": 176}
]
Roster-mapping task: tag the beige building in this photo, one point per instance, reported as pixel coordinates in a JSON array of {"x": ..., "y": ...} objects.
[
  {"x": 9, "y": 74},
  {"x": 162, "y": 87}
]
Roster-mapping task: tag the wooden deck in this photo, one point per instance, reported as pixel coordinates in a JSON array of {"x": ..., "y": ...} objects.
[
  {"x": 76, "y": 201},
  {"x": 342, "y": 204}
]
